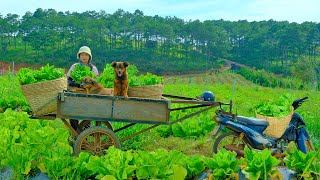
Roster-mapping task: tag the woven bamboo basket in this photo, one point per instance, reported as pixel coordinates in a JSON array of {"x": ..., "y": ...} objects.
[
  {"x": 150, "y": 91},
  {"x": 277, "y": 126},
  {"x": 42, "y": 96}
]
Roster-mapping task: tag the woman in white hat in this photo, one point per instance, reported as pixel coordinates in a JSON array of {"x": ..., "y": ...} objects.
[{"x": 85, "y": 57}]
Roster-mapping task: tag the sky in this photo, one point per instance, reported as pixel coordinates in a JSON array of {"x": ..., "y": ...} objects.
[{"x": 297, "y": 11}]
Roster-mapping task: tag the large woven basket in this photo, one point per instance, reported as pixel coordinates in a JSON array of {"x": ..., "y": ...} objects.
[
  {"x": 42, "y": 96},
  {"x": 277, "y": 126},
  {"x": 150, "y": 91}
]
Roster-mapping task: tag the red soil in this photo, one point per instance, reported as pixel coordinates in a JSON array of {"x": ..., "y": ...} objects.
[{"x": 5, "y": 66}]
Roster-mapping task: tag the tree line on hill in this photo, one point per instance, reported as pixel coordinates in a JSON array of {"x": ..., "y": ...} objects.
[{"x": 160, "y": 44}]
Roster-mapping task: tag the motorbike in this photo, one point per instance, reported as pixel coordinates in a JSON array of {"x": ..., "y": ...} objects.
[{"x": 249, "y": 131}]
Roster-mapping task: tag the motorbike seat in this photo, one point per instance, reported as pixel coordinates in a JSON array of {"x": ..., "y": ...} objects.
[{"x": 253, "y": 121}]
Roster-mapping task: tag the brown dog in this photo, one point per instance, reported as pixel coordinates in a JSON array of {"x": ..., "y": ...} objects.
[
  {"x": 120, "y": 83},
  {"x": 93, "y": 87}
]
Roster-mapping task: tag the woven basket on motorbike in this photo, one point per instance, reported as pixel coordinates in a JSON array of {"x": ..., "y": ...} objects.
[
  {"x": 42, "y": 96},
  {"x": 150, "y": 91},
  {"x": 277, "y": 126}
]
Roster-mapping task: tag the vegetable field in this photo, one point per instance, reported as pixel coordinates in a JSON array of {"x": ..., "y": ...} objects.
[{"x": 180, "y": 151}]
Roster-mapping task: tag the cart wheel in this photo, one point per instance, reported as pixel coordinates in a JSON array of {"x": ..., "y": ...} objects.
[
  {"x": 85, "y": 124},
  {"x": 95, "y": 140}
]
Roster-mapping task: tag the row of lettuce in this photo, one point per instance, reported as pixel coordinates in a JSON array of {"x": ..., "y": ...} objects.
[{"x": 30, "y": 146}]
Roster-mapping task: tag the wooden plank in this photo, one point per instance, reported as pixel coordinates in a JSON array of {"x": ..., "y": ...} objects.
[
  {"x": 141, "y": 110},
  {"x": 85, "y": 107}
]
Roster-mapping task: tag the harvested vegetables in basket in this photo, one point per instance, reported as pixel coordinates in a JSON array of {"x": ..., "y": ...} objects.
[
  {"x": 276, "y": 108},
  {"x": 79, "y": 72},
  {"x": 45, "y": 73}
]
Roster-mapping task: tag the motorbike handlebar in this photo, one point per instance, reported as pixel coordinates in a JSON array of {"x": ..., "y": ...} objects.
[{"x": 298, "y": 102}]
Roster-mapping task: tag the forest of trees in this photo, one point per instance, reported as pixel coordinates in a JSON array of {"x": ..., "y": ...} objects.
[{"x": 159, "y": 44}]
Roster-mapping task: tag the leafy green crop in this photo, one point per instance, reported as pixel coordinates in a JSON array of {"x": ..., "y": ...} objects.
[
  {"x": 194, "y": 127},
  {"x": 195, "y": 165},
  {"x": 79, "y": 72},
  {"x": 224, "y": 164},
  {"x": 306, "y": 166},
  {"x": 28, "y": 76},
  {"x": 161, "y": 164},
  {"x": 260, "y": 165},
  {"x": 276, "y": 108},
  {"x": 116, "y": 163},
  {"x": 13, "y": 99}
]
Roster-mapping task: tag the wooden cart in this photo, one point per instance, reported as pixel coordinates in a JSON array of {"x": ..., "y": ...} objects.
[{"x": 106, "y": 109}]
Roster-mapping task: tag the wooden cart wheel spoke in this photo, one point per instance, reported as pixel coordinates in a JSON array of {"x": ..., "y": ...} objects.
[
  {"x": 87, "y": 147},
  {"x": 97, "y": 136},
  {"x": 95, "y": 140},
  {"x": 107, "y": 144}
]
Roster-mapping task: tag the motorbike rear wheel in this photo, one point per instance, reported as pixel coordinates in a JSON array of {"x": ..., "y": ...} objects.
[{"x": 230, "y": 141}]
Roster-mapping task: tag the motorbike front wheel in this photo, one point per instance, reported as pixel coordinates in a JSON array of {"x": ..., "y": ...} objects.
[{"x": 230, "y": 141}]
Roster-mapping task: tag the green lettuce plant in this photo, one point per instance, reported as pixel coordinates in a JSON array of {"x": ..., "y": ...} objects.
[
  {"x": 45, "y": 73},
  {"x": 224, "y": 164},
  {"x": 307, "y": 166},
  {"x": 19, "y": 158},
  {"x": 195, "y": 165},
  {"x": 260, "y": 164},
  {"x": 79, "y": 72},
  {"x": 161, "y": 164},
  {"x": 116, "y": 163},
  {"x": 276, "y": 108}
]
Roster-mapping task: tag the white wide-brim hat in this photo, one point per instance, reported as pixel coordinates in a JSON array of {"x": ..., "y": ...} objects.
[{"x": 84, "y": 49}]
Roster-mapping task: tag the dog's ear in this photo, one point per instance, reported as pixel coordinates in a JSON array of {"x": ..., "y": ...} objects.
[
  {"x": 113, "y": 64},
  {"x": 126, "y": 64}
]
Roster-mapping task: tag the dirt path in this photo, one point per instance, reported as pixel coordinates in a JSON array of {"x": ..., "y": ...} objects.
[{"x": 229, "y": 63}]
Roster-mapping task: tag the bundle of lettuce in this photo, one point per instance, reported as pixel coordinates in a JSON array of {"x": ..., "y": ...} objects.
[
  {"x": 106, "y": 78},
  {"x": 279, "y": 108},
  {"x": 80, "y": 72},
  {"x": 45, "y": 73}
]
